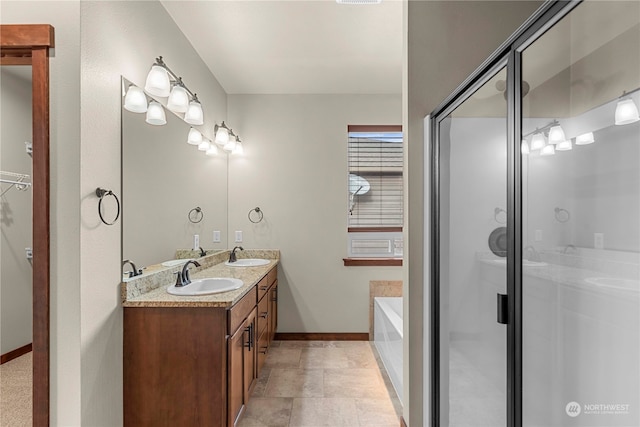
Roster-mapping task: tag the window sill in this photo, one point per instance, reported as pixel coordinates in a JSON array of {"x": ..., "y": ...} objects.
[{"x": 371, "y": 262}]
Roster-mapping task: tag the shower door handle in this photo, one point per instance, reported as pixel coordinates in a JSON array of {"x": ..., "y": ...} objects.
[{"x": 503, "y": 312}]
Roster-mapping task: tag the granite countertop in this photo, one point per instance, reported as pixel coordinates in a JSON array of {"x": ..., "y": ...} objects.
[{"x": 152, "y": 291}]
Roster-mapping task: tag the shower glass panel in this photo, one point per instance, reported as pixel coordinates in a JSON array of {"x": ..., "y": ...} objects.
[
  {"x": 473, "y": 191},
  {"x": 581, "y": 219}
]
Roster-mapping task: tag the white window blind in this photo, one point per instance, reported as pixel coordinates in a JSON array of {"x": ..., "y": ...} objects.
[{"x": 375, "y": 179}]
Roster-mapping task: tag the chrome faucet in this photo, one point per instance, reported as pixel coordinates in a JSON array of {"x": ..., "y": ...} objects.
[
  {"x": 134, "y": 272},
  {"x": 533, "y": 254},
  {"x": 183, "y": 278},
  {"x": 232, "y": 255}
]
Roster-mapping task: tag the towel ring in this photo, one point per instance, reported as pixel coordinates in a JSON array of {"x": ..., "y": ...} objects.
[
  {"x": 195, "y": 215},
  {"x": 102, "y": 194},
  {"x": 562, "y": 215},
  {"x": 259, "y": 215},
  {"x": 498, "y": 211}
]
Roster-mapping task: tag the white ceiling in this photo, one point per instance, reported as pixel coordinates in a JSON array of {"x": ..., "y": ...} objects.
[{"x": 296, "y": 46}]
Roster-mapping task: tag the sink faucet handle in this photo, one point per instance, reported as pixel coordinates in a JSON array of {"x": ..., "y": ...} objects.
[{"x": 179, "y": 282}]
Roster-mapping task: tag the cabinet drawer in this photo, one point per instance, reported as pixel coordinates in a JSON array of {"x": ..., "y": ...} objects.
[
  {"x": 272, "y": 275},
  {"x": 264, "y": 314},
  {"x": 241, "y": 310},
  {"x": 263, "y": 349},
  {"x": 263, "y": 287}
]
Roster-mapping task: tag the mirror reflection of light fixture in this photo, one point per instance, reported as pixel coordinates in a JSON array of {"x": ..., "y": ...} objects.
[
  {"x": 213, "y": 149},
  {"x": 158, "y": 83},
  {"x": 231, "y": 144},
  {"x": 238, "y": 150},
  {"x": 556, "y": 135},
  {"x": 178, "y": 101},
  {"x": 537, "y": 141},
  {"x": 564, "y": 145},
  {"x": 585, "y": 138},
  {"x": 194, "y": 115},
  {"x": 135, "y": 100},
  {"x": 195, "y": 137},
  {"x": 626, "y": 112},
  {"x": 548, "y": 150},
  {"x": 221, "y": 134},
  {"x": 155, "y": 114},
  {"x": 524, "y": 147},
  {"x": 204, "y": 145}
]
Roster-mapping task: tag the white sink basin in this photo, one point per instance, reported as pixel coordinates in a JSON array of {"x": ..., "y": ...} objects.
[
  {"x": 206, "y": 286},
  {"x": 248, "y": 262},
  {"x": 525, "y": 262},
  {"x": 612, "y": 282},
  {"x": 174, "y": 262}
]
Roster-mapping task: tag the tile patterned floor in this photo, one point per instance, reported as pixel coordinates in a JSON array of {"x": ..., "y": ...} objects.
[{"x": 323, "y": 383}]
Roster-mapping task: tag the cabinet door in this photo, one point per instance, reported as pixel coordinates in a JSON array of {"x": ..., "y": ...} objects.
[
  {"x": 273, "y": 312},
  {"x": 250, "y": 371},
  {"x": 236, "y": 350}
]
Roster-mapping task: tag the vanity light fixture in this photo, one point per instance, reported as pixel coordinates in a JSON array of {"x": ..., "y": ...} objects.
[
  {"x": 195, "y": 137},
  {"x": 221, "y": 134},
  {"x": 238, "y": 150},
  {"x": 231, "y": 144},
  {"x": 564, "y": 145},
  {"x": 158, "y": 83},
  {"x": 155, "y": 114},
  {"x": 213, "y": 149},
  {"x": 194, "y": 114},
  {"x": 204, "y": 145},
  {"x": 585, "y": 138},
  {"x": 537, "y": 141},
  {"x": 135, "y": 100},
  {"x": 524, "y": 147},
  {"x": 178, "y": 101},
  {"x": 556, "y": 135},
  {"x": 548, "y": 150},
  {"x": 626, "y": 111}
]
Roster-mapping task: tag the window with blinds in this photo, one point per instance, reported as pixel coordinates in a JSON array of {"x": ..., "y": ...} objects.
[{"x": 375, "y": 177}]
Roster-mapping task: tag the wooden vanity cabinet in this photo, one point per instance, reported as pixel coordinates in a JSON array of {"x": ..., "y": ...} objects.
[{"x": 196, "y": 366}]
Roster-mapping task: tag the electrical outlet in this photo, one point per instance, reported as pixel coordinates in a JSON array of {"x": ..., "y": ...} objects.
[
  {"x": 28, "y": 253},
  {"x": 238, "y": 236},
  {"x": 538, "y": 236},
  {"x": 216, "y": 236},
  {"x": 598, "y": 240},
  {"x": 196, "y": 242}
]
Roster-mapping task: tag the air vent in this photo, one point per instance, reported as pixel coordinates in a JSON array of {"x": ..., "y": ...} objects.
[{"x": 358, "y": 1}]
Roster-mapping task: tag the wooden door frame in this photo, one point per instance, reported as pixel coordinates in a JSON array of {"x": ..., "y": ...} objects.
[{"x": 29, "y": 45}]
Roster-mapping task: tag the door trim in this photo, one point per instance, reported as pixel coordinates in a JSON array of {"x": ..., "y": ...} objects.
[{"x": 34, "y": 41}]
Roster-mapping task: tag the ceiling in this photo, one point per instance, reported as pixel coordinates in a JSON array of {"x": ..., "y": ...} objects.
[{"x": 296, "y": 46}]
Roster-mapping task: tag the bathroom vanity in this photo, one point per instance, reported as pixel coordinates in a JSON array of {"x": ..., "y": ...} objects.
[{"x": 193, "y": 361}]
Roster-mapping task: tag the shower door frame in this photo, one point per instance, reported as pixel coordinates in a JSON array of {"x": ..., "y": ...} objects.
[{"x": 509, "y": 53}]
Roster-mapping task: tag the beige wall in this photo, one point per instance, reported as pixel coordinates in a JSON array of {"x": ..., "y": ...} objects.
[
  {"x": 295, "y": 170},
  {"x": 118, "y": 38},
  {"x": 16, "y": 291},
  {"x": 445, "y": 42}
]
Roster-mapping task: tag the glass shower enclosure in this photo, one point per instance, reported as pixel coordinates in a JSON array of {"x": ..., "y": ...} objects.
[{"x": 535, "y": 269}]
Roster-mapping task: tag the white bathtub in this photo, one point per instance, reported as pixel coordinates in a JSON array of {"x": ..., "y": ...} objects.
[{"x": 387, "y": 336}]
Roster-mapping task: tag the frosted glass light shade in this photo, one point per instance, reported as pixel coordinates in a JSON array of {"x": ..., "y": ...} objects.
[
  {"x": 195, "y": 137},
  {"x": 158, "y": 83},
  {"x": 213, "y": 150},
  {"x": 585, "y": 138},
  {"x": 204, "y": 145},
  {"x": 230, "y": 145},
  {"x": 524, "y": 147},
  {"x": 548, "y": 150},
  {"x": 178, "y": 100},
  {"x": 155, "y": 114},
  {"x": 537, "y": 141},
  {"x": 194, "y": 115},
  {"x": 556, "y": 135},
  {"x": 564, "y": 145},
  {"x": 135, "y": 100},
  {"x": 239, "y": 150},
  {"x": 626, "y": 112},
  {"x": 222, "y": 134}
]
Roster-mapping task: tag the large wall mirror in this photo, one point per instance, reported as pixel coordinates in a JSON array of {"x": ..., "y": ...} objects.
[{"x": 171, "y": 191}]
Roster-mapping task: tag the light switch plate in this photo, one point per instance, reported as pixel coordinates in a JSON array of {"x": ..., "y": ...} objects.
[
  {"x": 238, "y": 236},
  {"x": 216, "y": 236},
  {"x": 538, "y": 235},
  {"x": 598, "y": 240}
]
